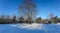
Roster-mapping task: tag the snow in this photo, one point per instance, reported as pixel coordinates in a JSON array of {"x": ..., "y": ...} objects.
[
  {"x": 58, "y": 23},
  {"x": 30, "y": 28}
]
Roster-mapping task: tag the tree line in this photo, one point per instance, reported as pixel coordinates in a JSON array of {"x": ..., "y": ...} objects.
[{"x": 6, "y": 19}]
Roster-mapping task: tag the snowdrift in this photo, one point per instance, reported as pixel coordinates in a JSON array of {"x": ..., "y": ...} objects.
[{"x": 32, "y": 26}]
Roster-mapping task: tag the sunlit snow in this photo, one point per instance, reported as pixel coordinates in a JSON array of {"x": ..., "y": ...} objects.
[{"x": 29, "y": 26}]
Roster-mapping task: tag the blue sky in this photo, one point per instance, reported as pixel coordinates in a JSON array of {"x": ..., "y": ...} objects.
[{"x": 45, "y": 7}]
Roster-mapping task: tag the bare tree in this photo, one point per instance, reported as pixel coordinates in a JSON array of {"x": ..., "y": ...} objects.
[
  {"x": 14, "y": 18},
  {"x": 51, "y": 15},
  {"x": 28, "y": 9}
]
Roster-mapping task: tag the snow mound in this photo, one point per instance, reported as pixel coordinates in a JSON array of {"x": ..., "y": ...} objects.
[
  {"x": 58, "y": 23},
  {"x": 32, "y": 26}
]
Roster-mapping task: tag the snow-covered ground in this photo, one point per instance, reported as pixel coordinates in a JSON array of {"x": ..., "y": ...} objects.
[
  {"x": 30, "y": 28},
  {"x": 58, "y": 23}
]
